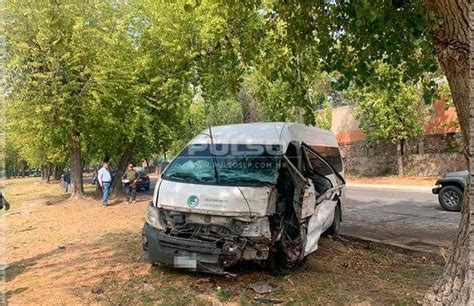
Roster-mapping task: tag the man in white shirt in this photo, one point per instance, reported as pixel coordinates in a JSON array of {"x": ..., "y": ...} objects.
[{"x": 105, "y": 180}]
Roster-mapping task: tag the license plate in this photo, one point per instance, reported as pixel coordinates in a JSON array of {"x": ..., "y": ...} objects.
[{"x": 185, "y": 262}]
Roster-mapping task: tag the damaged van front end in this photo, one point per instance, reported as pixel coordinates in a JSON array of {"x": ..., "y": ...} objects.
[
  {"x": 204, "y": 238},
  {"x": 224, "y": 202}
]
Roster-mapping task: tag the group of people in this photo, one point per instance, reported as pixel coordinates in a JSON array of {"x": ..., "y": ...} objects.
[{"x": 103, "y": 178}]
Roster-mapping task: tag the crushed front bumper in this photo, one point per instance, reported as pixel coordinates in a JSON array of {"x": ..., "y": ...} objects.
[{"x": 189, "y": 254}]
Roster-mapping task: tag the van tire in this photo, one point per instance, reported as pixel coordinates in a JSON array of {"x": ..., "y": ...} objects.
[
  {"x": 278, "y": 264},
  {"x": 334, "y": 229}
]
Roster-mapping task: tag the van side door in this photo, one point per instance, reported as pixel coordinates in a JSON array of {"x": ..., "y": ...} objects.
[{"x": 328, "y": 184}]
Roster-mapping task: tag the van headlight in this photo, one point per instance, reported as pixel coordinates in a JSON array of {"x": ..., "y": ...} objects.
[{"x": 153, "y": 217}]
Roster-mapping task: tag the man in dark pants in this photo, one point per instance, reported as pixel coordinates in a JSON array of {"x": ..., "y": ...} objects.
[
  {"x": 129, "y": 180},
  {"x": 67, "y": 180}
]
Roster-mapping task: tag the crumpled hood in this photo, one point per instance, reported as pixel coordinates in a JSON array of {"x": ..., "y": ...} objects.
[{"x": 212, "y": 199}]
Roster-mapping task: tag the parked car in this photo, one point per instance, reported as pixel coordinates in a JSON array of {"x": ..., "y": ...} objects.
[
  {"x": 450, "y": 190},
  {"x": 263, "y": 192},
  {"x": 35, "y": 173},
  {"x": 143, "y": 182}
]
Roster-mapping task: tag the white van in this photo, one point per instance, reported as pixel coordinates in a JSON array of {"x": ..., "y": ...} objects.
[{"x": 261, "y": 191}]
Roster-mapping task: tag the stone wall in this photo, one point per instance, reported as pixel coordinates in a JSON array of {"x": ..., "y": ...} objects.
[
  {"x": 432, "y": 155},
  {"x": 433, "y": 164}
]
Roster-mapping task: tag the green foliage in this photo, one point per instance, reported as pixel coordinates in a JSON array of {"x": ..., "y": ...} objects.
[
  {"x": 348, "y": 36},
  {"x": 323, "y": 114},
  {"x": 116, "y": 76},
  {"x": 277, "y": 100},
  {"x": 56, "y": 78},
  {"x": 274, "y": 97},
  {"x": 388, "y": 115},
  {"x": 201, "y": 114},
  {"x": 122, "y": 76}
]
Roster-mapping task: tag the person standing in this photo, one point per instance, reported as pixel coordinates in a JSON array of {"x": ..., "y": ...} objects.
[
  {"x": 94, "y": 176},
  {"x": 105, "y": 180},
  {"x": 129, "y": 180},
  {"x": 67, "y": 180},
  {"x": 95, "y": 182}
]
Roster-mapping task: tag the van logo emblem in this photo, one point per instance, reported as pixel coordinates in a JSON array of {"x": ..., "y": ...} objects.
[{"x": 193, "y": 201}]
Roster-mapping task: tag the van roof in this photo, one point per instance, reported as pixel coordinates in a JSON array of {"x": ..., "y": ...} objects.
[{"x": 268, "y": 133}]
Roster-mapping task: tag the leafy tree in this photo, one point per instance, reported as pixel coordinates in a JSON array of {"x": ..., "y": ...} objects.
[
  {"x": 180, "y": 47},
  {"x": 323, "y": 113},
  {"x": 110, "y": 80},
  {"x": 54, "y": 74},
  {"x": 275, "y": 98},
  {"x": 201, "y": 114},
  {"x": 386, "y": 114},
  {"x": 348, "y": 36}
]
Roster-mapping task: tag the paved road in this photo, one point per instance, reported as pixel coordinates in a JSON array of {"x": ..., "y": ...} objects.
[{"x": 407, "y": 217}]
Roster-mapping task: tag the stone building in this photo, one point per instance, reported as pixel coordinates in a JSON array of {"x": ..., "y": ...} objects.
[{"x": 437, "y": 151}]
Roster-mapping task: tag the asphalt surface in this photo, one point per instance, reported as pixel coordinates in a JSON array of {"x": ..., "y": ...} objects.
[{"x": 406, "y": 217}]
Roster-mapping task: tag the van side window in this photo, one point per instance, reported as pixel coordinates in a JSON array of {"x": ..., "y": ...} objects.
[
  {"x": 292, "y": 154},
  {"x": 317, "y": 164},
  {"x": 331, "y": 154}
]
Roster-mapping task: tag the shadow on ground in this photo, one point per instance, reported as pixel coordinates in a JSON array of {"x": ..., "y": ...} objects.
[{"x": 110, "y": 270}]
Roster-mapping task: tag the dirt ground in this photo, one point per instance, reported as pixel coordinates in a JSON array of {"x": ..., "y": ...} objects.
[
  {"x": 69, "y": 252},
  {"x": 394, "y": 180}
]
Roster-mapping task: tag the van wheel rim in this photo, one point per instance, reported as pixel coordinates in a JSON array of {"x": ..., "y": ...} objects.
[{"x": 451, "y": 199}]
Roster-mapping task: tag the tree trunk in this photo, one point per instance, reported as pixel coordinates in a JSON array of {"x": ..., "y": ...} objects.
[
  {"x": 451, "y": 39},
  {"x": 400, "y": 153},
  {"x": 43, "y": 172},
  {"x": 249, "y": 106},
  {"x": 23, "y": 168},
  {"x": 75, "y": 155},
  {"x": 58, "y": 171},
  {"x": 116, "y": 187},
  {"x": 48, "y": 172}
]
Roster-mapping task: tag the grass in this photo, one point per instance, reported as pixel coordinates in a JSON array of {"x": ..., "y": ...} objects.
[
  {"x": 23, "y": 191},
  {"x": 78, "y": 252}
]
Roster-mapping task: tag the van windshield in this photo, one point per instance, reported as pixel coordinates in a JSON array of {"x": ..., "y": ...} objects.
[{"x": 226, "y": 164}]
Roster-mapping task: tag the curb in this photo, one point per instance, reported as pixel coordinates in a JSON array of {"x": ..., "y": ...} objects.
[
  {"x": 396, "y": 247},
  {"x": 393, "y": 187}
]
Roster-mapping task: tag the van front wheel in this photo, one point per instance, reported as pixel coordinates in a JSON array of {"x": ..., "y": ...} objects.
[{"x": 279, "y": 265}]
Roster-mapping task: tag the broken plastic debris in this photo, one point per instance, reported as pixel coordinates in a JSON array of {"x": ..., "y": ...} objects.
[{"x": 264, "y": 287}]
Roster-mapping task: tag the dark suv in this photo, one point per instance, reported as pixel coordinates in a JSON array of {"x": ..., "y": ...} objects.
[{"x": 450, "y": 190}]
